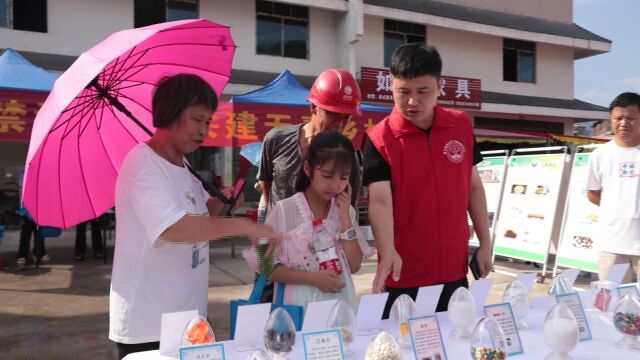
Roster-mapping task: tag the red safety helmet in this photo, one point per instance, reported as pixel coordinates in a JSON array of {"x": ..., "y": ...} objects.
[{"x": 336, "y": 90}]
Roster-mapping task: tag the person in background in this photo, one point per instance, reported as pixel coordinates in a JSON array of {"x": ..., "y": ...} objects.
[
  {"x": 81, "y": 240},
  {"x": 613, "y": 184},
  {"x": 419, "y": 164}
]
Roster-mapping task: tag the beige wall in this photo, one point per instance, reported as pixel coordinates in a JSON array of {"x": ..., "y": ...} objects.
[
  {"x": 74, "y": 26},
  {"x": 555, "y": 10},
  {"x": 240, "y": 16},
  {"x": 473, "y": 55}
]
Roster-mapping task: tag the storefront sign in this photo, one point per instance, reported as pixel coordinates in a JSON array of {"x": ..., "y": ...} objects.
[
  {"x": 457, "y": 92},
  {"x": 17, "y": 111}
]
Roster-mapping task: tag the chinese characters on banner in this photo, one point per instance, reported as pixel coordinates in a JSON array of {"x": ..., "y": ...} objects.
[
  {"x": 242, "y": 123},
  {"x": 457, "y": 92},
  {"x": 17, "y": 111}
]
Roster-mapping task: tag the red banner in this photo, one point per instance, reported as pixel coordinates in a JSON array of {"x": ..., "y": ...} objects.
[
  {"x": 236, "y": 124},
  {"x": 17, "y": 111},
  {"x": 457, "y": 92}
]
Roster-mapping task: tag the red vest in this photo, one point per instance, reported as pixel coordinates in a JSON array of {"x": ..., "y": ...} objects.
[{"x": 430, "y": 183}]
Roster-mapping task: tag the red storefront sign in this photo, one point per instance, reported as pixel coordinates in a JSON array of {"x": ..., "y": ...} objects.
[
  {"x": 17, "y": 111},
  {"x": 457, "y": 92},
  {"x": 242, "y": 123}
]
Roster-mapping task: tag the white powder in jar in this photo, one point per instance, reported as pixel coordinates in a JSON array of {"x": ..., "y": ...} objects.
[
  {"x": 462, "y": 313},
  {"x": 561, "y": 334}
]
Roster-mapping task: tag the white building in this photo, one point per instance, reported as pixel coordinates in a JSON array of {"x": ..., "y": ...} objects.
[{"x": 522, "y": 51}]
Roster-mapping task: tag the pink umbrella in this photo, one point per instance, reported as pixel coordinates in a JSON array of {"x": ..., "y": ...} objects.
[{"x": 101, "y": 107}]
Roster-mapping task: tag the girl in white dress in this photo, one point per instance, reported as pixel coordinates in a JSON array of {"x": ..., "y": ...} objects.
[{"x": 323, "y": 199}]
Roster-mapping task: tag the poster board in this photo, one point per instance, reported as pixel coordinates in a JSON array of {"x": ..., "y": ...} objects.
[
  {"x": 577, "y": 248},
  {"x": 529, "y": 209},
  {"x": 492, "y": 170}
]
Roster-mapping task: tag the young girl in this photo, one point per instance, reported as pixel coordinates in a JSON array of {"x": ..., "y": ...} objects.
[{"x": 320, "y": 209}]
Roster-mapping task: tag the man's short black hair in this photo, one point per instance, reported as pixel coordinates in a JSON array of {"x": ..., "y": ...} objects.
[
  {"x": 175, "y": 93},
  {"x": 625, "y": 99},
  {"x": 413, "y": 60}
]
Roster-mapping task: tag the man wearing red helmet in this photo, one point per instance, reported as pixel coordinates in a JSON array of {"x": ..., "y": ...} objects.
[{"x": 334, "y": 98}]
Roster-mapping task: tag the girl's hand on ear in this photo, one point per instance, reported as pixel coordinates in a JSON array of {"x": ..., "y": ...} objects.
[{"x": 343, "y": 200}]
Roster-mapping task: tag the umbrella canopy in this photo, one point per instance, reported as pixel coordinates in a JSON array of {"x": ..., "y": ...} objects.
[{"x": 101, "y": 107}]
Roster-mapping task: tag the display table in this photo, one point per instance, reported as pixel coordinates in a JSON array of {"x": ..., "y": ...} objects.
[{"x": 600, "y": 347}]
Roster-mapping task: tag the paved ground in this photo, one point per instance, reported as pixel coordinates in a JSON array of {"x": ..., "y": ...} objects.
[{"x": 60, "y": 310}]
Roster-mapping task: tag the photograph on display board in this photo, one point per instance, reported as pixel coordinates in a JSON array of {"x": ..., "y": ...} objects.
[
  {"x": 491, "y": 171},
  {"x": 528, "y": 208}
]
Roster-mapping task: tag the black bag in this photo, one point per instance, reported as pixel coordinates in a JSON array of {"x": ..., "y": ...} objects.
[{"x": 473, "y": 265}]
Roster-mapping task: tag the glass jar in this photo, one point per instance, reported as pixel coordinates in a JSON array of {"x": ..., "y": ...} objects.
[
  {"x": 626, "y": 319},
  {"x": 488, "y": 340},
  {"x": 402, "y": 310},
  {"x": 197, "y": 332},
  {"x": 341, "y": 317},
  {"x": 560, "y": 332},
  {"x": 383, "y": 347},
  {"x": 279, "y": 334},
  {"x": 462, "y": 313},
  {"x": 516, "y": 295}
]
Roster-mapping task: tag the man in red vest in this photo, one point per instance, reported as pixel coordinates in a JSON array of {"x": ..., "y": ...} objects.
[{"x": 419, "y": 164}]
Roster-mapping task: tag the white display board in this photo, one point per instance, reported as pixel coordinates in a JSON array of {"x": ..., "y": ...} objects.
[
  {"x": 577, "y": 248},
  {"x": 492, "y": 172},
  {"x": 529, "y": 204}
]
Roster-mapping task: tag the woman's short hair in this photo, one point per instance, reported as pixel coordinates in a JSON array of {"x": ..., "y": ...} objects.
[{"x": 175, "y": 93}]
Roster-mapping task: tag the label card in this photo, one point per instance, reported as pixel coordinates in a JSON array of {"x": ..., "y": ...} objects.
[
  {"x": 370, "y": 313},
  {"x": 503, "y": 314},
  {"x": 250, "y": 326},
  {"x": 479, "y": 289},
  {"x": 323, "y": 345},
  {"x": 571, "y": 275},
  {"x": 617, "y": 272},
  {"x": 213, "y": 351},
  {"x": 572, "y": 301},
  {"x": 625, "y": 289},
  {"x": 427, "y": 299},
  {"x": 317, "y": 315},
  {"x": 172, "y": 326},
  {"x": 426, "y": 338}
]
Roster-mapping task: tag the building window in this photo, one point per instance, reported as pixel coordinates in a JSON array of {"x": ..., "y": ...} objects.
[
  {"x": 149, "y": 12},
  {"x": 27, "y": 15},
  {"x": 397, "y": 33},
  {"x": 519, "y": 61},
  {"x": 282, "y": 30}
]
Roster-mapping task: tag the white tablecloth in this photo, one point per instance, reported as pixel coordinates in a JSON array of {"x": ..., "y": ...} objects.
[{"x": 600, "y": 347}]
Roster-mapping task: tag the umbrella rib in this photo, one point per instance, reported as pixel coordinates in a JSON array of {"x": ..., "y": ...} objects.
[
  {"x": 105, "y": 149},
  {"x": 79, "y": 115},
  {"x": 118, "y": 67},
  {"x": 86, "y": 98},
  {"x": 134, "y": 101},
  {"x": 186, "y": 66},
  {"x": 70, "y": 117},
  {"x": 123, "y": 126},
  {"x": 84, "y": 180},
  {"x": 91, "y": 113}
]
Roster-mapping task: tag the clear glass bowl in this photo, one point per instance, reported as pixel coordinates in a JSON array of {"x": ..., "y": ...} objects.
[
  {"x": 342, "y": 318},
  {"x": 197, "y": 332},
  {"x": 279, "y": 334},
  {"x": 560, "y": 332},
  {"x": 402, "y": 310},
  {"x": 516, "y": 295},
  {"x": 383, "y": 347},
  {"x": 462, "y": 313},
  {"x": 626, "y": 319},
  {"x": 488, "y": 340}
]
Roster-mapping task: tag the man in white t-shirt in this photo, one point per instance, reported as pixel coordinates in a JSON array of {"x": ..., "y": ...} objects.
[
  {"x": 614, "y": 185},
  {"x": 161, "y": 261}
]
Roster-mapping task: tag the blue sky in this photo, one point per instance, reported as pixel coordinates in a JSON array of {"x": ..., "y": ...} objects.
[{"x": 598, "y": 79}]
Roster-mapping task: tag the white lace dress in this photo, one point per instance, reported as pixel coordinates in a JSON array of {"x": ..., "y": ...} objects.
[{"x": 293, "y": 217}]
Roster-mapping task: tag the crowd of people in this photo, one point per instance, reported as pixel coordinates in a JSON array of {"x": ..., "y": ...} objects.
[{"x": 419, "y": 164}]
